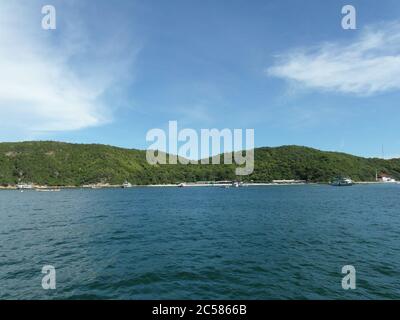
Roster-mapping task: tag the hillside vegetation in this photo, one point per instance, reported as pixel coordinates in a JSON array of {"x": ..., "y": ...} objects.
[{"x": 64, "y": 164}]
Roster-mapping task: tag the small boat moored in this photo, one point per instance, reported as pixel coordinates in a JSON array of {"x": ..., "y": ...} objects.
[
  {"x": 24, "y": 186},
  {"x": 126, "y": 184},
  {"x": 237, "y": 184},
  {"x": 342, "y": 182}
]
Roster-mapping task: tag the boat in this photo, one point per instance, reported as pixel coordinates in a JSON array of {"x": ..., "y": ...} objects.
[
  {"x": 181, "y": 185},
  {"x": 23, "y": 186},
  {"x": 342, "y": 182},
  {"x": 126, "y": 184},
  {"x": 237, "y": 184}
]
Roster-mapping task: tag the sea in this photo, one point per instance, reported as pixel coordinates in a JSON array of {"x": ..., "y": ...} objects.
[{"x": 256, "y": 242}]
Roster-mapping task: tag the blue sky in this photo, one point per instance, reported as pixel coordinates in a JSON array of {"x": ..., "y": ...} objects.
[{"x": 113, "y": 70}]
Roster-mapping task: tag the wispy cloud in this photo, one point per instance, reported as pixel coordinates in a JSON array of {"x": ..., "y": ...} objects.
[
  {"x": 51, "y": 82},
  {"x": 367, "y": 66}
]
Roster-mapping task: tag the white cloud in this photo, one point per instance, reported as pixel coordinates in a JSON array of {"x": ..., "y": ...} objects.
[
  {"x": 368, "y": 65},
  {"x": 47, "y": 79}
]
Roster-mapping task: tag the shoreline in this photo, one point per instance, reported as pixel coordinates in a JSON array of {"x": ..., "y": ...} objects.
[{"x": 182, "y": 185}]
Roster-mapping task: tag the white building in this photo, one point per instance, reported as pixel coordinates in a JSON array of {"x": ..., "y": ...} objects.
[{"x": 383, "y": 177}]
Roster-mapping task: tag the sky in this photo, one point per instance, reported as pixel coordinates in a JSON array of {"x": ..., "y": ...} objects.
[{"x": 113, "y": 70}]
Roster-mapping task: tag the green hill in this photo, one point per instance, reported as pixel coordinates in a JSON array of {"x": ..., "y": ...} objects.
[{"x": 56, "y": 163}]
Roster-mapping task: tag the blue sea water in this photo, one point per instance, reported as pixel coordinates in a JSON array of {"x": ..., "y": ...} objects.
[{"x": 284, "y": 242}]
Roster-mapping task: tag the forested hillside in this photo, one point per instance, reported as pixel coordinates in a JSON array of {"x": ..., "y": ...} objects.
[{"x": 56, "y": 163}]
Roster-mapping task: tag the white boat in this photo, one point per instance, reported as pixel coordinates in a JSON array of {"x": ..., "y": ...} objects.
[
  {"x": 342, "y": 182},
  {"x": 126, "y": 184},
  {"x": 23, "y": 186},
  {"x": 237, "y": 184}
]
